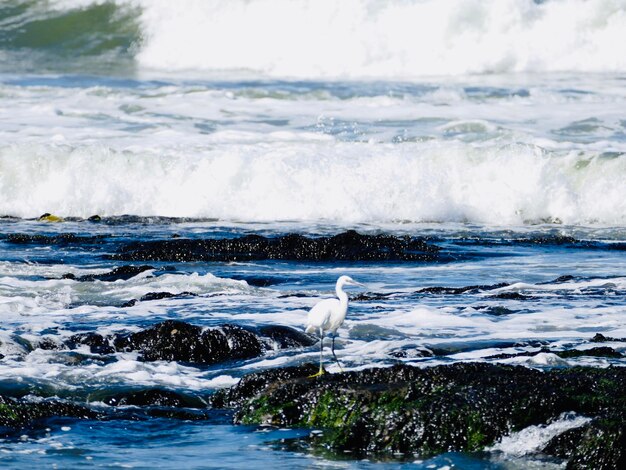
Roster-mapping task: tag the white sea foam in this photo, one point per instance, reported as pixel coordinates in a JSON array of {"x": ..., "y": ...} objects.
[
  {"x": 349, "y": 182},
  {"x": 533, "y": 438},
  {"x": 367, "y": 38},
  {"x": 391, "y": 39}
]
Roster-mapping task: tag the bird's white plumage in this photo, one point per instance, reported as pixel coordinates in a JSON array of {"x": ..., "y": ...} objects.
[
  {"x": 329, "y": 315},
  {"x": 321, "y": 316}
]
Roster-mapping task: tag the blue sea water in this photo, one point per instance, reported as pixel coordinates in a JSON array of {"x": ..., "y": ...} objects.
[{"x": 465, "y": 126}]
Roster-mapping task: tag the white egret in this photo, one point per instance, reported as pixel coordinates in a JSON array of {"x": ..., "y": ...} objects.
[{"x": 328, "y": 315}]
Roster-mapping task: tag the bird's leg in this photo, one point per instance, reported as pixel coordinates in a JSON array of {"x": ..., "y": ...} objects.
[
  {"x": 321, "y": 371},
  {"x": 334, "y": 355}
]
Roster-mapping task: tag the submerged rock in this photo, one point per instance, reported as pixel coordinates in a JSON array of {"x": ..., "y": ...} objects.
[
  {"x": 154, "y": 397},
  {"x": 123, "y": 273},
  {"x": 17, "y": 414},
  {"x": 461, "y": 407},
  {"x": 564, "y": 354},
  {"x": 347, "y": 246}
]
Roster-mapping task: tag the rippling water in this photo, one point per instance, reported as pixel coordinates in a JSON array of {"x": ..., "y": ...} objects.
[{"x": 504, "y": 150}]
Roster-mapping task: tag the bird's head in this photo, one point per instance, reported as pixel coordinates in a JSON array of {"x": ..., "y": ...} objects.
[{"x": 348, "y": 281}]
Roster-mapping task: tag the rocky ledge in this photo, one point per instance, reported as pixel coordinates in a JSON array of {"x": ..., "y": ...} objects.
[
  {"x": 347, "y": 246},
  {"x": 463, "y": 407},
  {"x": 173, "y": 340}
]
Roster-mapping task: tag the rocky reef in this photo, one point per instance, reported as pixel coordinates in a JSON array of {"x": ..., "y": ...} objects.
[
  {"x": 465, "y": 407},
  {"x": 179, "y": 341},
  {"x": 347, "y": 246}
]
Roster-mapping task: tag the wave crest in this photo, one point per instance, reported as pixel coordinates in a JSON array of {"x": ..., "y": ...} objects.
[{"x": 344, "y": 182}]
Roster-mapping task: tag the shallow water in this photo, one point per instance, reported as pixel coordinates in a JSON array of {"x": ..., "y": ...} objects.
[
  {"x": 457, "y": 122},
  {"x": 518, "y": 304}
]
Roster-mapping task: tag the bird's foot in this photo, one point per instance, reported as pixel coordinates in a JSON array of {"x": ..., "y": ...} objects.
[{"x": 318, "y": 374}]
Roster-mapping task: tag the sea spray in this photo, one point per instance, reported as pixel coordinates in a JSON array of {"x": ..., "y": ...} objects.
[{"x": 325, "y": 180}]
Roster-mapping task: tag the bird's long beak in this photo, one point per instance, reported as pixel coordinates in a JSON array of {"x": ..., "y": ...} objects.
[{"x": 354, "y": 283}]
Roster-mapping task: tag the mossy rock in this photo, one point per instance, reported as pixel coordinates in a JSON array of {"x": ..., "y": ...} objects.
[{"x": 460, "y": 407}]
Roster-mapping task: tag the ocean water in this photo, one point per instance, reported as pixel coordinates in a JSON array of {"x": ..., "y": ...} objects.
[{"x": 494, "y": 128}]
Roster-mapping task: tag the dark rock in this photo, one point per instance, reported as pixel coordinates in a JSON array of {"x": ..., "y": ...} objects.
[
  {"x": 460, "y": 290},
  {"x": 371, "y": 332},
  {"x": 121, "y": 273},
  {"x": 602, "y": 446},
  {"x": 411, "y": 352},
  {"x": 17, "y": 414},
  {"x": 154, "y": 397},
  {"x": 459, "y": 407},
  {"x": 164, "y": 295},
  {"x": 495, "y": 310},
  {"x": 512, "y": 296},
  {"x": 595, "y": 352},
  {"x": 372, "y": 296},
  {"x": 98, "y": 344},
  {"x": 568, "y": 353},
  {"x": 130, "y": 303},
  {"x": 48, "y": 344},
  {"x": 600, "y": 338},
  {"x": 60, "y": 239},
  {"x": 347, "y": 246},
  {"x": 179, "y": 341},
  {"x": 563, "y": 445},
  {"x": 260, "y": 281},
  {"x": 95, "y": 218},
  {"x": 286, "y": 337},
  {"x": 176, "y": 341}
]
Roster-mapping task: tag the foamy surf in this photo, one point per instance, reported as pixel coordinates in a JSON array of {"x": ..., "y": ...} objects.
[{"x": 413, "y": 182}]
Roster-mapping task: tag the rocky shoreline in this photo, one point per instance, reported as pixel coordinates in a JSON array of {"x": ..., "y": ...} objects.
[
  {"x": 395, "y": 412},
  {"x": 463, "y": 407}
]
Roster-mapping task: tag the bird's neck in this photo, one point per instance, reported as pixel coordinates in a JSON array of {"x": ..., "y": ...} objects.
[{"x": 343, "y": 297}]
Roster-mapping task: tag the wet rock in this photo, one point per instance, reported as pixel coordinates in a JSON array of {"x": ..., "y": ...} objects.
[
  {"x": 602, "y": 446},
  {"x": 460, "y": 290},
  {"x": 49, "y": 344},
  {"x": 347, "y": 246},
  {"x": 164, "y": 295},
  {"x": 512, "y": 296},
  {"x": 260, "y": 281},
  {"x": 17, "y": 414},
  {"x": 459, "y": 407},
  {"x": 179, "y": 341},
  {"x": 60, "y": 239},
  {"x": 565, "y": 354},
  {"x": 176, "y": 341},
  {"x": 496, "y": 310},
  {"x": 407, "y": 352},
  {"x": 599, "y": 445},
  {"x": 98, "y": 344},
  {"x": 594, "y": 352},
  {"x": 154, "y": 397},
  {"x": 123, "y": 273},
  {"x": 371, "y": 332},
  {"x": 600, "y": 338},
  {"x": 286, "y": 337}
]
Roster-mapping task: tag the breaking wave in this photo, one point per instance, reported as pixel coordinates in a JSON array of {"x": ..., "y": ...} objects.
[
  {"x": 394, "y": 39},
  {"x": 345, "y": 182}
]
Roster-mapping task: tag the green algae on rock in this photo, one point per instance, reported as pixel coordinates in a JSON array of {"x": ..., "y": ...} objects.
[{"x": 462, "y": 407}]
